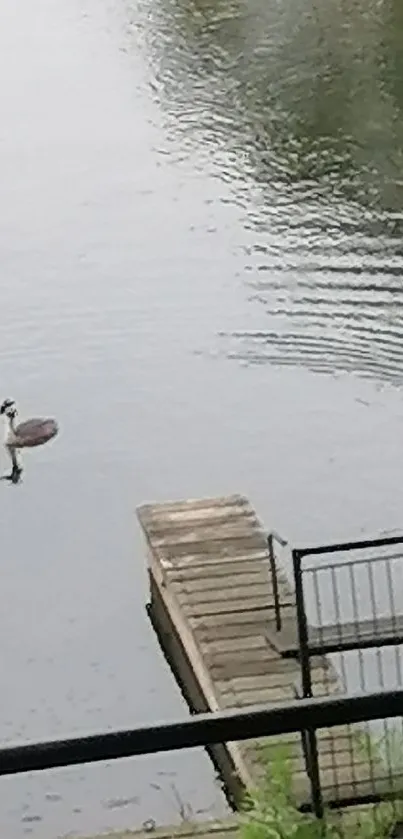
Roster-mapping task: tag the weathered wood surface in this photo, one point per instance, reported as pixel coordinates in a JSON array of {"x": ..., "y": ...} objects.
[{"x": 208, "y": 560}]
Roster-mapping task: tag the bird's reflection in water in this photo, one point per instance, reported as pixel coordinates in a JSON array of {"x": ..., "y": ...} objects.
[{"x": 16, "y": 473}]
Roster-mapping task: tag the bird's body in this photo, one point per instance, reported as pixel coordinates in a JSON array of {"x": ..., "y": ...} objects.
[
  {"x": 23, "y": 435},
  {"x": 32, "y": 432}
]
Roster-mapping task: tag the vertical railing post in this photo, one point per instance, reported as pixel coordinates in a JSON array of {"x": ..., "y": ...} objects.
[
  {"x": 309, "y": 736},
  {"x": 274, "y": 580}
]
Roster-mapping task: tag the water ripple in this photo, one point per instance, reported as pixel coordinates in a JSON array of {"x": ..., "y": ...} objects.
[{"x": 299, "y": 108}]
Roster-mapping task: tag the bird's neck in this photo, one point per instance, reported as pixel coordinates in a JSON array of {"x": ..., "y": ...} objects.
[{"x": 10, "y": 423}]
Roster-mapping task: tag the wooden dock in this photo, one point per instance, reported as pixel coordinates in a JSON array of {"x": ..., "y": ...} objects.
[{"x": 212, "y": 606}]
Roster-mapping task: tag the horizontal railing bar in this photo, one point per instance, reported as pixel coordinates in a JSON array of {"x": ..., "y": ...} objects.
[
  {"x": 203, "y": 730},
  {"x": 349, "y": 546},
  {"x": 345, "y": 563}
]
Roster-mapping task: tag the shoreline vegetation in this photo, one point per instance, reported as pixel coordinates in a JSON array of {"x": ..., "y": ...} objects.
[{"x": 269, "y": 810}]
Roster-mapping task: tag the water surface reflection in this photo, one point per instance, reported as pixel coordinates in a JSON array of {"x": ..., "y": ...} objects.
[
  {"x": 304, "y": 103},
  {"x": 183, "y": 184}
]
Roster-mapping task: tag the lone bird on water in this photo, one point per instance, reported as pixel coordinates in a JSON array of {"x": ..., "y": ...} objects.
[{"x": 24, "y": 435}]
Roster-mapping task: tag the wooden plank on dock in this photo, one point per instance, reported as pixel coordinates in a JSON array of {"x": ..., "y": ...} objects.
[{"x": 212, "y": 605}]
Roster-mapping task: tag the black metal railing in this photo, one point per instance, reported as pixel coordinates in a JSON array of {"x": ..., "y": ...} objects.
[
  {"x": 308, "y": 715},
  {"x": 344, "y": 606},
  {"x": 300, "y": 716},
  {"x": 204, "y": 730}
]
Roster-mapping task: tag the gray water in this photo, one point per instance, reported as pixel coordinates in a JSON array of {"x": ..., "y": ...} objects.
[{"x": 201, "y": 256}]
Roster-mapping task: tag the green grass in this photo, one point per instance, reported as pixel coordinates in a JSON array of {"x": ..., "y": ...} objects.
[{"x": 270, "y": 812}]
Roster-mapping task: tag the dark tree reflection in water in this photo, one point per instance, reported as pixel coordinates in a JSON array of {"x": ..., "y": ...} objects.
[{"x": 304, "y": 102}]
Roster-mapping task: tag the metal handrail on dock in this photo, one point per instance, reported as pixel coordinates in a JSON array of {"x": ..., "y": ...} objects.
[{"x": 274, "y": 537}]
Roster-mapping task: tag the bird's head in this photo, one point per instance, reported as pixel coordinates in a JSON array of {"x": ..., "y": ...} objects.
[{"x": 9, "y": 408}]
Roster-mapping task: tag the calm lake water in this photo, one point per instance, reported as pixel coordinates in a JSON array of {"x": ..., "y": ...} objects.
[{"x": 201, "y": 277}]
